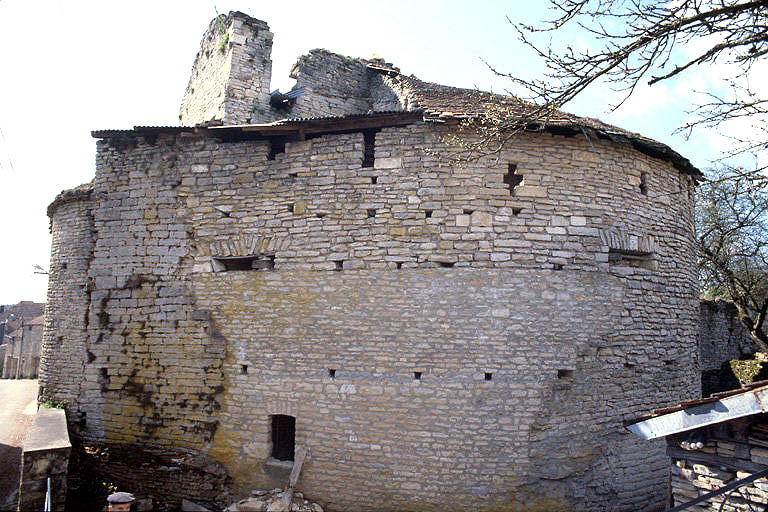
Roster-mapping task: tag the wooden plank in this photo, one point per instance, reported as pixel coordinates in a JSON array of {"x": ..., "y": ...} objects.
[
  {"x": 731, "y": 463},
  {"x": 301, "y": 454}
]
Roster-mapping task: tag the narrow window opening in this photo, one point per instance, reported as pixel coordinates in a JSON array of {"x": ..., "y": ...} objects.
[
  {"x": 275, "y": 148},
  {"x": 240, "y": 263},
  {"x": 369, "y": 147},
  {"x": 417, "y": 375},
  {"x": 293, "y": 175},
  {"x": 371, "y": 212},
  {"x": 244, "y": 369},
  {"x": 630, "y": 258},
  {"x": 468, "y": 212},
  {"x": 628, "y": 365},
  {"x": 399, "y": 265},
  {"x": 374, "y": 180},
  {"x": 283, "y": 437},
  {"x": 320, "y": 215},
  {"x": 669, "y": 362},
  {"x": 516, "y": 211},
  {"x": 564, "y": 374},
  {"x": 558, "y": 266},
  {"x": 339, "y": 265},
  {"x": 512, "y": 178},
  {"x": 292, "y": 208},
  {"x": 643, "y": 183},
  {"x": 235, "y": 264},
  {"x": 447, "y": 264},
  {"x": 488, "y": 376},
  {"x": 427, "y": 214},
  {"x": 332, "y": 373}
]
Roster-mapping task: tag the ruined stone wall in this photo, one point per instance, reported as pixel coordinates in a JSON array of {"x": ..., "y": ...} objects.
[
  {"x": 337, "y": 85},
  {"x": 722, "y": 338},
  {"x": 380, "y": 272},
  {"x": 721, "y": 335},
  {"x": 231, "y": 75}
]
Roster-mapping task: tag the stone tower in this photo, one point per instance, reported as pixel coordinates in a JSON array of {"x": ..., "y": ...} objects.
[{"x": 461, "y": 336}]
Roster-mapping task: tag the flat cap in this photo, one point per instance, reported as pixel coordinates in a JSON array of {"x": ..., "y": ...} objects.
[{"x": 120, "y": 497}]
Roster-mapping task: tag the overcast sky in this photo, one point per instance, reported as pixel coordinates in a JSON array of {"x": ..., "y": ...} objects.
[{"x": 71, "y": 67}]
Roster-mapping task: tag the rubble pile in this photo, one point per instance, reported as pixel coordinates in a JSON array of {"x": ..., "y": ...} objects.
[{"x": 274, "y": 501}]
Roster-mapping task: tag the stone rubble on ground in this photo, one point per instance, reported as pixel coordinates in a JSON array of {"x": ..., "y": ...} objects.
[{"x": 272, "y": 501}]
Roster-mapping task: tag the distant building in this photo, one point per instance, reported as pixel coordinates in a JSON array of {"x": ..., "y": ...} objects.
[{"x": 21, "y": 329}]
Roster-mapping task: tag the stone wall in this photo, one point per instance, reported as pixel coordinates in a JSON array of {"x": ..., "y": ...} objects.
[
  {"x": 380, "y": 272},
  {"x": 721, "y": 335},
  {"x": 336, "y": 85},
  {"x": 160, "y": 476},
  {"x": 231, "y": 75},
  {"x": 65, "y": 355},
  {"x": 230, "y": 80},
  {"x": 722, "y": 338},
  {"x": 45, "y": 457}
]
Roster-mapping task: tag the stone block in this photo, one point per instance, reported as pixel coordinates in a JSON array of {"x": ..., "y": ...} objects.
[
  {"x": 531, "y": 191},
  {"x": 578, "y": 220},
  {"x": 388, "y": 163},
  {"x": 482, "y": 219}
]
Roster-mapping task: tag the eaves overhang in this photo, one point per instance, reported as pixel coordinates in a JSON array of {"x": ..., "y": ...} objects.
[{"x": 701, "y": 413}]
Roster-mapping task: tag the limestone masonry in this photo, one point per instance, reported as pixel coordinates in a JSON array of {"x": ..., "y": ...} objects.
[{"x": 311, "y": 268}]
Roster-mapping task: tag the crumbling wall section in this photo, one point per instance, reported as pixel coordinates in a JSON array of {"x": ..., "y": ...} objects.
[
  {"x": 721, "y": 335},
  {"x": 337, "y": 85},
  {"x": 153, "y": 372},
  {"x": 230, "y": 78},
  {"x": 722, "y": 338}
]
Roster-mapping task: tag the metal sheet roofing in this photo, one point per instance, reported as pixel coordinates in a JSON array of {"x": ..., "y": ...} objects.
[
  {"x": 692, "y": 414},
  {"x": 430, "y": 102}
]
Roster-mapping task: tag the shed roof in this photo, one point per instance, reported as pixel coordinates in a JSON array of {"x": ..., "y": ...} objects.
[{"x": 692, "y": 414}]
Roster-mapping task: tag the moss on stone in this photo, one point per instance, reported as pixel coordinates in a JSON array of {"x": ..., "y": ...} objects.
[{"x": 746, "y": 370}]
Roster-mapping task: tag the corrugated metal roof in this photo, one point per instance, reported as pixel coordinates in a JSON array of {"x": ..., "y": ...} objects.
[
  {"x": 432, "y": 102},
  {"x": 692, "y": 414}
]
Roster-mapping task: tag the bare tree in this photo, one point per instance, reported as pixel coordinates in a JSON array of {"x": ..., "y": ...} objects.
[
  {"x": 634, "y": 41},
  {"x": 732, "y": 223}
]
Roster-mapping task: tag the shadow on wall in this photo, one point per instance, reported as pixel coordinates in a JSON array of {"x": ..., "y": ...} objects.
[
  {"x": 10, "y": 470},
  {"x": 722, "y": 339}
]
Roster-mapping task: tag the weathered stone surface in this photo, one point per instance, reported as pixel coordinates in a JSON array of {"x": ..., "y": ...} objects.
[{"x": 452, "y": 277}]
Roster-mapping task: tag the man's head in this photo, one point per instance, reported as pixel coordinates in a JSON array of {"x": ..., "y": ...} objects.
[{"x": 120, "y": 501}]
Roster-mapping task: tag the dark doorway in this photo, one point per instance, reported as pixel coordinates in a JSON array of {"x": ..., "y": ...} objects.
[{"x": 283, "y": 436}]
